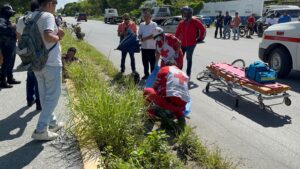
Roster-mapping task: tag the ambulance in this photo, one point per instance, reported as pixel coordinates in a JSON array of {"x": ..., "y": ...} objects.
[{"x": 280, "y": 47}]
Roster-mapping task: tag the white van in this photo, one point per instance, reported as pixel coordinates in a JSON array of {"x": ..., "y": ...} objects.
[
  {"x": 293, "y": 12},
  {"x": 272, "y": 7}
]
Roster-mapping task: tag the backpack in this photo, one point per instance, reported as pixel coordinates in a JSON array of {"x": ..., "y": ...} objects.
[
  {"x": 31, "y": 47},
  {"x": 261, "y": 73}
]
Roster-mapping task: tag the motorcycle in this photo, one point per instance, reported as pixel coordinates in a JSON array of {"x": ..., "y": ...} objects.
[
  {"x": 244, "y": 30},
  {"x": 77, "y": 30},
  {"x": 260, "y": 28}
]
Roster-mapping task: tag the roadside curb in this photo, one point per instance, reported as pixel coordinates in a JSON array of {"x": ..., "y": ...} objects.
[{"x": 90, "y": 159}]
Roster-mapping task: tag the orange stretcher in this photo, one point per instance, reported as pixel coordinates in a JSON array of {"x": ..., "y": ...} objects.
[{"x": 232, "y": 77}]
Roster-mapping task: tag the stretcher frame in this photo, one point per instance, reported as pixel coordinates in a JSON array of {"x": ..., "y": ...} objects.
[{"x": 229, "y": 84}]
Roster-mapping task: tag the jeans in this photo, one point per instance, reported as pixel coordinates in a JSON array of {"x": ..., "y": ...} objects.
[
  {"x": 189, "y": 55},
  {"x": 148, "y": 57},
  {"x": 9, "y": 56},
  {"x": 226, "y": 31},
  {"x": 49, "y": 83},
  {"x": 216, "y": 31},
  {"x": 131, "y": 59},
  {"x": 32, "y": 88},
  {"x": 236, "y": 30}
]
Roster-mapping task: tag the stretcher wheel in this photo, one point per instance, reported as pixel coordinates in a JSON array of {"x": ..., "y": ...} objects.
[
  {"x": 287, "y": 101},
  {"x": 199, "y": 75},
  {"x": 236, "y": 102},
  {"x": 207, "y": 87},
  {"x": 262, "y": 106}
]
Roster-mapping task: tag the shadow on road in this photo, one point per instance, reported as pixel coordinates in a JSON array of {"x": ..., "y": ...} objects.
[
  {"x": 292, "y": 80},
  {"x": 266, "y": 118},
  {"x": 69, "y": 149},
  {"x": 192, "y": 85},
  {"x": 15, "y": 122},
  {"x": 22, "y": 156}
]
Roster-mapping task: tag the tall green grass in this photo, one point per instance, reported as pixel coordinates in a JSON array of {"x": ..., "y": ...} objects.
[{"x": 113, "y": 114}]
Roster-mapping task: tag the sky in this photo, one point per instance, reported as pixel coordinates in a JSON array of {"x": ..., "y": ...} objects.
[{"x": 61, "y": 3}]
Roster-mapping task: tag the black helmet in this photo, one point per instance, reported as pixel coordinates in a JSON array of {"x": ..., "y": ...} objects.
[
  {"x": 7, "y": 10},
  {"x": 187, "y": 11}
]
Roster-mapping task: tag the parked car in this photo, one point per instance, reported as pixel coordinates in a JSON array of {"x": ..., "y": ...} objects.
[
  {"x": 280, "y": 47},
  {"x": 82, "y": 16},
  {"x": 293, "y": 12},
  {"x": 170, "y": 25},
  {"x": 206, "y": 20},
  {"x": 160, "y": 13}
]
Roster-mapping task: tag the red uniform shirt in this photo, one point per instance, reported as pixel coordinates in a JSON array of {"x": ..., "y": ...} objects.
[
  {"x": 166, "y": 54},
  {"x": 187, "y": 31},
  {"x": 173, "y": 83}
]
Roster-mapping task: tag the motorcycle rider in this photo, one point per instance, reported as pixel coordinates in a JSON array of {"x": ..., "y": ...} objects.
[{"x": 250, "y": 25}]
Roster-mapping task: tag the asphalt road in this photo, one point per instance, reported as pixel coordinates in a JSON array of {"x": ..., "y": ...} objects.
[
  {"x": 254, "y": 138},
  {"x": 17, "y": 123}
]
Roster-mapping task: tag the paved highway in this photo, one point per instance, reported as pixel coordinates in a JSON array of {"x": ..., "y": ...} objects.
[{"x": 252, "y": 137}]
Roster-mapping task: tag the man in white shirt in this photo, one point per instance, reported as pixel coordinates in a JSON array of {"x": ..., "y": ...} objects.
[
  {"x": 148, "y": 43},
  {"x": 49, "y": 77},
  {"x": 271, "y": 21}
]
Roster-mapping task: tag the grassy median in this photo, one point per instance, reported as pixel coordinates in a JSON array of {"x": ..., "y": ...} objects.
[{"x": 109, "y": 110}]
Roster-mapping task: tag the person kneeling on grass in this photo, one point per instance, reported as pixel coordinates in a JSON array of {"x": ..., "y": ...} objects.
[
  {"x": 170, "y": 91},
  {"x": 68, "y": 59}
]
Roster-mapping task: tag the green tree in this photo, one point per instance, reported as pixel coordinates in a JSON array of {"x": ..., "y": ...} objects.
[
  {"x": 20, "y": 6},
  {"x": 71, "y": 9}
]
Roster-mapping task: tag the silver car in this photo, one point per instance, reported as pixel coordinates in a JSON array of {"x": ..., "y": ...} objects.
[{"x": 170, "y": 25}]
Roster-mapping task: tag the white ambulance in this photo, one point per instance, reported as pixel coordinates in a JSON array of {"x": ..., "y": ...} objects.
[{"x": 280, "y": 47}]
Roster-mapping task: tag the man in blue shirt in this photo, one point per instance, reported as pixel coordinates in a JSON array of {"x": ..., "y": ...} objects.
[
  {"x": 227, "y": 23},
  {"x": 285, "y": 18}
]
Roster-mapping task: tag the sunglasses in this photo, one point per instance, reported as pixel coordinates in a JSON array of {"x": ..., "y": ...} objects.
[{"x": 126, "y": 19}]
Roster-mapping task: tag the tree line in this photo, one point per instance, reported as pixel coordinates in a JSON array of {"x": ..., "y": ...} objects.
[{"x": 96, "y": 7}]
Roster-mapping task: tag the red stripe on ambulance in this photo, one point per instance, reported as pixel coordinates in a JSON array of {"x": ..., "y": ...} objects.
[{"x": 281, "y": 38}]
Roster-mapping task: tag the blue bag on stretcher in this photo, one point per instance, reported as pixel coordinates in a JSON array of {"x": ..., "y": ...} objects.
[
  {"x": 260, "y": 73},
  {"x": 150, "y": 82}
]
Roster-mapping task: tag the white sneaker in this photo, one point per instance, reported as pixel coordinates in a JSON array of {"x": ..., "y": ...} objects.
[
  {"x": 46, "y": 136},
  {"x": 57, "y": 127}
]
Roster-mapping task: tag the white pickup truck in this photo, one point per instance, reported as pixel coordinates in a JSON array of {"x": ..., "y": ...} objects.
[
  {"x": 280, "y": 47},
  {"x": 111, "y": 16}
]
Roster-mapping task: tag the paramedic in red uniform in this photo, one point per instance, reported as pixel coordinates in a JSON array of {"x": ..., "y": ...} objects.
[
  {"x": 167, "y": 47},
  {"x": 170, "y": 91},
  {"x": 188, "y": 30}
]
